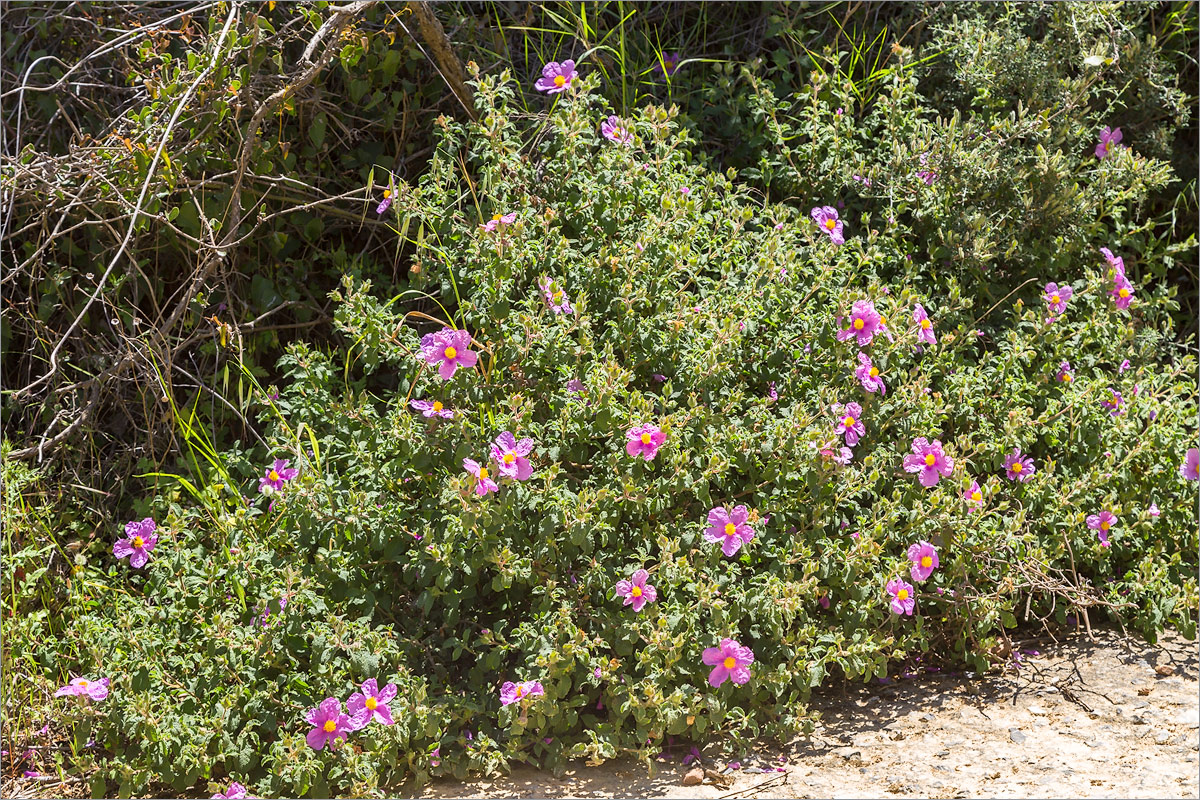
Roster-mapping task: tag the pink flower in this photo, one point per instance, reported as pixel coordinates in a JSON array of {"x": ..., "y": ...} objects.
[
  {"x": 828, "y": 223},
  {"x": 924, "y": 558},
  {"x": 850, "y": 424},
  {"x": 555, "y": 297},
  {"x": 140, "y": 539},
  {"x": 556, "y": 77},
  {"x": 371, "y": 704},
  {"x": 929, "y": 460},
  {"x": 823, "y": 601},
  {"x": 868, "y": 375},
  {"x": 1190, "y": 468},
  {"x": 1122, "y": 292},
  {"x": 1056, "y": 297},
  {"x": 1101, "y": 523},
  {"x": 1124, "y": 366},
  {"x": 510, "y": 456},
  {"x": 329, "y": 723},
  {"x": 644, "y": 440},
  {"x": 864, "y": 323},
  {"x": 974, "y": 496},
  {"x": 575, "y": 386},
  {"x": 730, "y": 528},
  {"x": 82, "y": 687},
  {"x": 614, "y": 131},
  {"x": 483, "y": 484},
  {"x": 1115, "y": 263},
  {"x": 1019, "y": 467},
  {"x": 235, "y": 792},
  {"x": 771, "y": 393},
  {"x": 1108, "y": 136},
  {"x": 518, "y": 692},
  {"x": 843, "y": 456},
  {"x": 277, "y": 475},
  {"x": 730, "y": 661},
  {"x": 669, "y": 64},
  {"x": 383, "y": 206},
  {"x": 449, "y": 348},
  {"x": 1065, "y": 373},
  {"x": 903, "y": 599},
  {"x": 499, "y": 219},
  {"x": 1154, "y": 512},
  {"x": 434, "y": 409},
  {"x": 1113, "y": 403},
  {"x": 636, "y": 591},
  {"x": 924, "y": 325}
]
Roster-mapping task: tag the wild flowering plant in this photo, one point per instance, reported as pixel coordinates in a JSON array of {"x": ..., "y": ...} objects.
[{"x": 673, "y": 502}]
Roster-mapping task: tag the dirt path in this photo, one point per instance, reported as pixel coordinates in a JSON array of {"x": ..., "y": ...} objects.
[{"x": 1112, "y": 718}]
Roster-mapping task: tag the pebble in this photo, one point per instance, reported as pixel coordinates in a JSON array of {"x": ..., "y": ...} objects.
[
  {"x": 847, "y": 752},
  {"x": 1161, "y": 737},
  {"x": 1037, "y": 711},
  {"x": 694, "y": 777},
  {"x": 1016, "y": 735},
  {"x": 1189, "y": 718}
]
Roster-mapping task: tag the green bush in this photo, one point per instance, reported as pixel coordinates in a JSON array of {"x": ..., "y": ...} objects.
[{"x": 710, "y": 315}]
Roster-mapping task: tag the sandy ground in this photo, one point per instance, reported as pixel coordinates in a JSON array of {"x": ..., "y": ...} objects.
[{"x": 1116, "y": 717}]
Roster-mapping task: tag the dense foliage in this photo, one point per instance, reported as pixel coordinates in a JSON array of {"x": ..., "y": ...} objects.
[{"x": 674, "y": 333}]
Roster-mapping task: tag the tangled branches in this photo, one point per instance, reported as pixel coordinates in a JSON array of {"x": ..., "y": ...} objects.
[{"x": 155, "y": 235}]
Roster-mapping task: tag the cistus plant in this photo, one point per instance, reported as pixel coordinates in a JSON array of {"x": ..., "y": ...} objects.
[{"x": 697, "y": 418}]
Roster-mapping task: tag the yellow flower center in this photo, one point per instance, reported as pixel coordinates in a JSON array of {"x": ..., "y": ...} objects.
[
  {"x": 830, "y": 224},
  {"x": 138, "y": 541},
  {"x": 482, "y": 473},
  {"x": 371, "y": 704},
  {"x": 859, "y": 324},
  {"x": 560, "y": 81},
  {"x": 730, "y": 529},
  {"x": 1067, "y": 377},
  {"x": 520, "y": 692},
  {"x": 926, "y": 324},
  {"x": 874, "y": 372},
  {"x": 645, "y": 438},
  {"x": 495, "y": 217},
  {"x": 330, "y": 726},
  {"x": 1123, "y": 293},
  {"x": 882, "y": 321},
  {"x": 450, "y": 352},
  {"x": 1105, "y": 525},
  {"x": 902, "y": 594},
  {"x": 849, "y": 422},
  {"x": 509, "y": 458},
  {"x": 1055, "y": 299},
  {"x": 437, "y": 405},
  {"x": 926, "y": 562},
  {"x": 636, "y": 591},
  {"x": 273, "y": 475},
  {"x": 387, "y": 193},
  {"x": 730, "y": 662},
  {"x": 558, "y": 296},
  {"x": 1017, "y": 467},
  {"x": 83, "y": 682},
  {"x": 930, "y": 459},
  {"x": 976, "y": 496}
]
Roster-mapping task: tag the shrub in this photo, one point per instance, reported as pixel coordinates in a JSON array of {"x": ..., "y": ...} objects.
[{"x": 715, "y": 318}]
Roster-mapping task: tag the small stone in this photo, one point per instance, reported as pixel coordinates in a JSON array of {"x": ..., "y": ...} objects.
[
  {"x": 1016, "y": 735},
  {"x": 1165, "y": 669},
  {"x": 1037, "y": 711},
  {"x": 694, "y": 777},
  {"x": 1161, "y": 737},
  {"x": 926, "y": 718},
  {"x": 847, "y": 752},
  {"x": 1189, "y": 718}
]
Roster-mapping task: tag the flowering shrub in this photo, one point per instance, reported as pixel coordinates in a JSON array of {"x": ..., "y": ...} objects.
[{"x": 696, "y": 416}]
